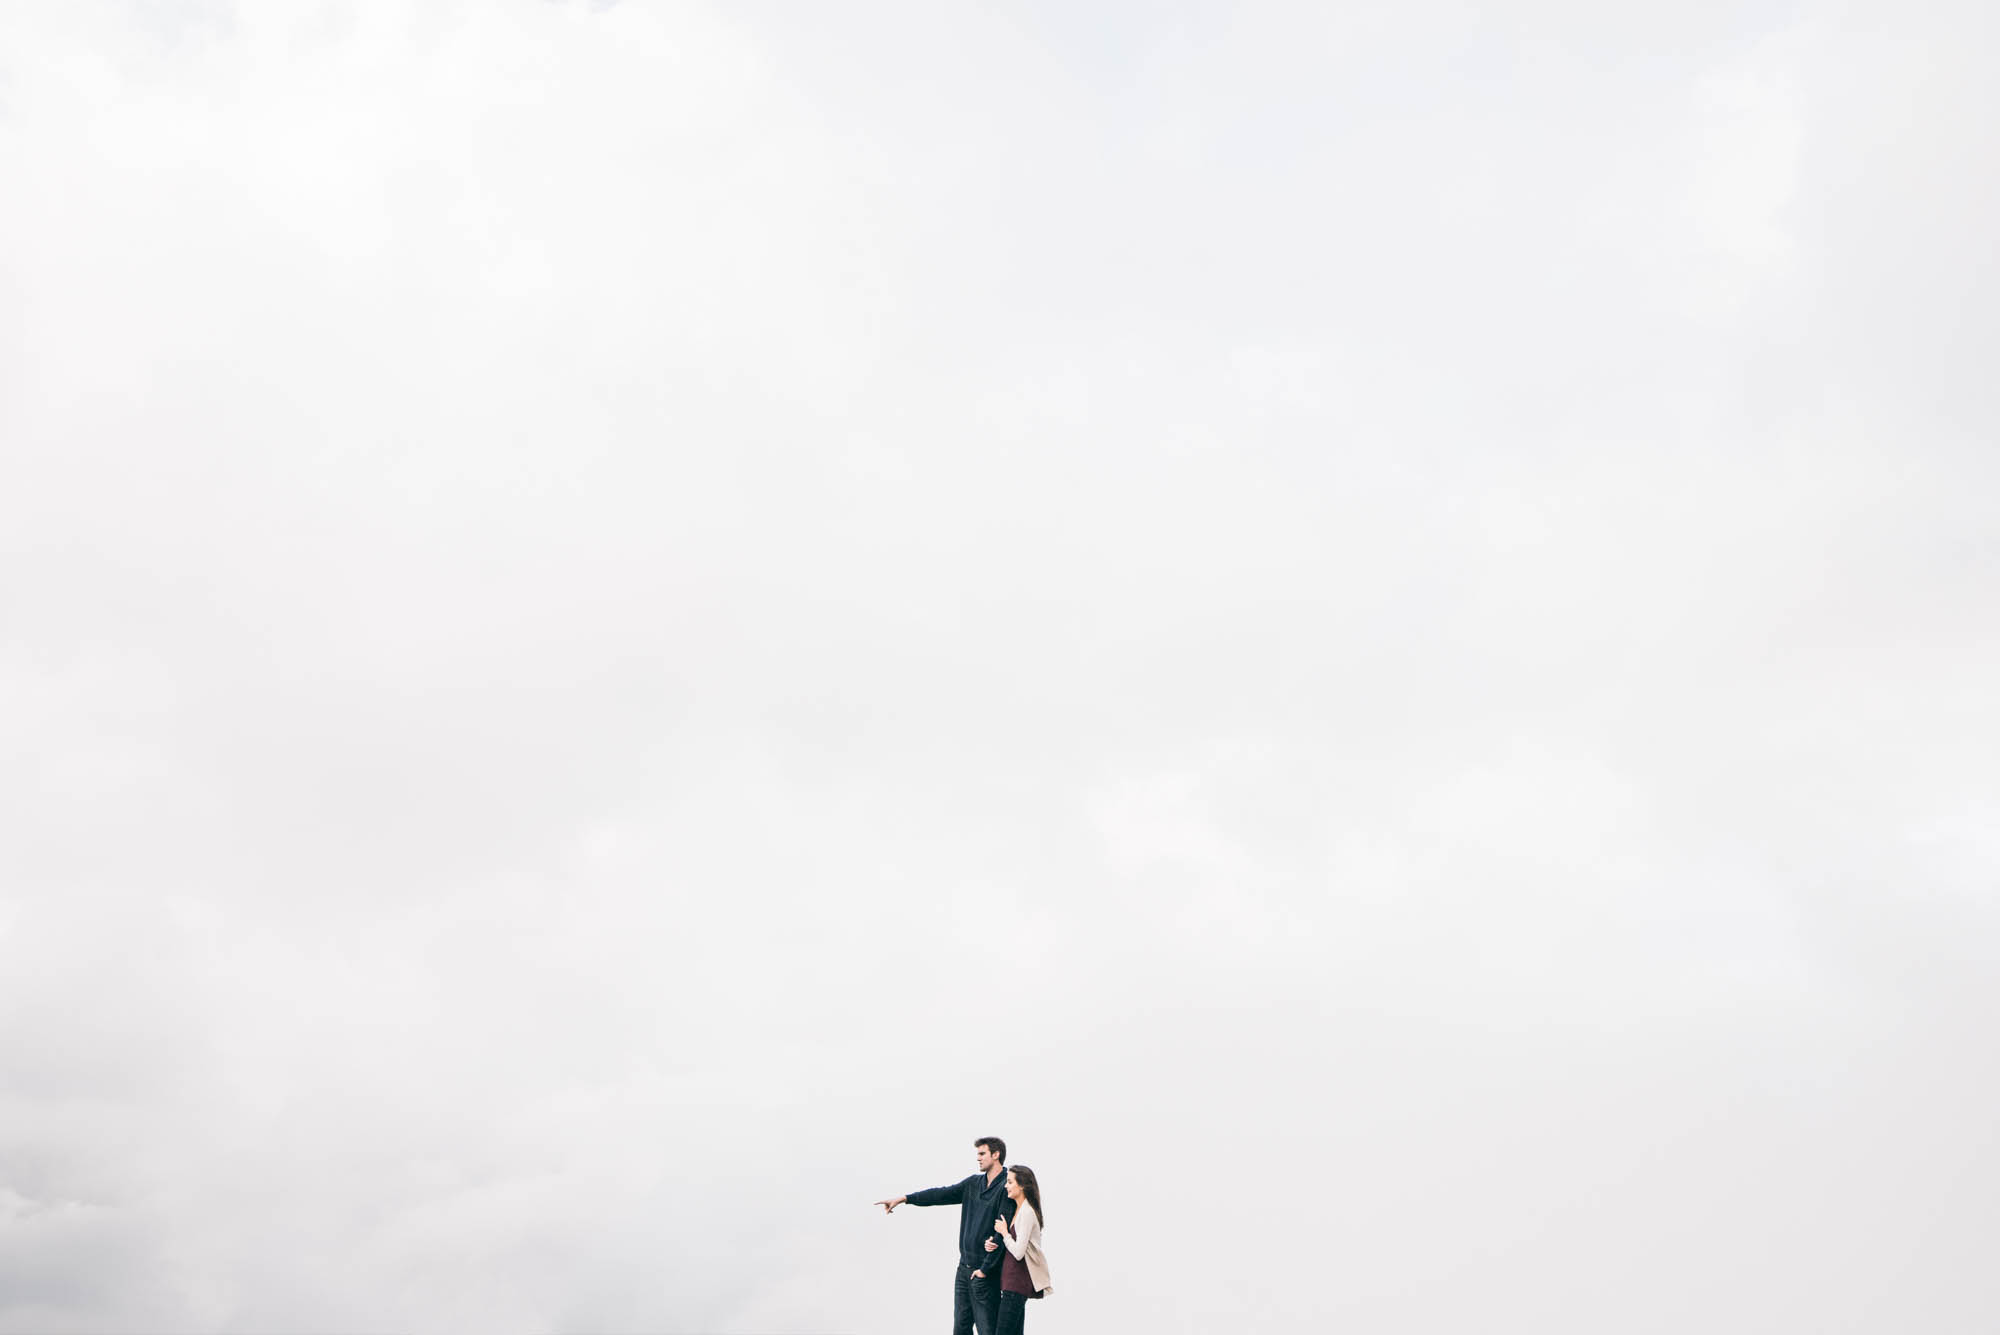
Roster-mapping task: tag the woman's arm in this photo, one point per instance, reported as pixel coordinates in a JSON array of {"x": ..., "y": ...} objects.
[{"x": 1023, "y": 1233}]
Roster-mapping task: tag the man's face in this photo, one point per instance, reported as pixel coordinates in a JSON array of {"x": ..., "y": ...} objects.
[{"x": 986, "y": 1159}]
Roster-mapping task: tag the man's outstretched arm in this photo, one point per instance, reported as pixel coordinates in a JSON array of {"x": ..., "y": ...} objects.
[{"x": 951, "y": 1195}]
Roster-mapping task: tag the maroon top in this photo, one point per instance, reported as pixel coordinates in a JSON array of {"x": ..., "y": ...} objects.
[{"x": 1014, "y": 1276}]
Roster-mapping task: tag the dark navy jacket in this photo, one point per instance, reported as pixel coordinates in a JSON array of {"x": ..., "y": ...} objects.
[{"x": 979, "y": 1204}]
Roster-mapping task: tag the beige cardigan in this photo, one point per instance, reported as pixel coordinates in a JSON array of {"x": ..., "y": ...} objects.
[{"x": 1025, "y": 1242}]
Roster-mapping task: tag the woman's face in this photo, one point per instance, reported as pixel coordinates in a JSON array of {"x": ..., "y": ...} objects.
[{"x": 1013, "y": 1187}]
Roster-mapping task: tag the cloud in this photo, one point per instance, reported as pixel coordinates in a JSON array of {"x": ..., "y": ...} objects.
[{"x": 621, "y": 625}]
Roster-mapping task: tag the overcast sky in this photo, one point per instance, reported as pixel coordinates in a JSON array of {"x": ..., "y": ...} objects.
[{"x": 1371, "y": 630}]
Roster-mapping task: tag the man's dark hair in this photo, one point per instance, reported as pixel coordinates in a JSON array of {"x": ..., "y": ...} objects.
[{"x": 994, "y": 1143}]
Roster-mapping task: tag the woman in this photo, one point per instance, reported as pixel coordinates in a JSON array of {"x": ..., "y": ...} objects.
[{"x": 1024, "y": 1271}]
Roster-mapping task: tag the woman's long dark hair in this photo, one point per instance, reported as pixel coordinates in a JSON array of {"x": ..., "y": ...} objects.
[{"x": 1031, "y": 1190}]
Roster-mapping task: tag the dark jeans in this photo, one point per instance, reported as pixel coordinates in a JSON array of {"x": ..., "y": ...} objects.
[
  {"x": 975, "y": 1303},
  {"x": 1013, "y": 1310}
]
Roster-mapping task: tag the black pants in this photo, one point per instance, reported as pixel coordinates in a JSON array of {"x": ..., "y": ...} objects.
[
  {"x": 975, "y": 1303},
  {"x": 1013, "y": 1310}
]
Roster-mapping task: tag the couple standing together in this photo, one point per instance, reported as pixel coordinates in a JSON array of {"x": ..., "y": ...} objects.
[{"x": 1000, "y": 1261}]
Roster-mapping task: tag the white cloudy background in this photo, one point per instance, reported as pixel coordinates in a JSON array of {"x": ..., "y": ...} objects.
[{"x": 1371, "y": 630}]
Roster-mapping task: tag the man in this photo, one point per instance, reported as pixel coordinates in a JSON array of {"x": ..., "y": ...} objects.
[{"x": 981, "y": 1199}]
